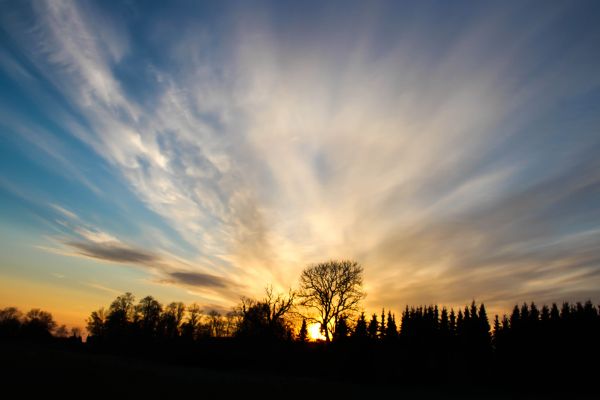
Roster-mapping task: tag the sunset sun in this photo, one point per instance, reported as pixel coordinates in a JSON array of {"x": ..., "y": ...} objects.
[{"x": 314, "y": 332}]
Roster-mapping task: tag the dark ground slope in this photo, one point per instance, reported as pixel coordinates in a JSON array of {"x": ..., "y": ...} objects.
[{"x": 51, "y": 371}]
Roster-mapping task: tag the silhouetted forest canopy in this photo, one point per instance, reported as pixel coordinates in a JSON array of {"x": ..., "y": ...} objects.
[{"x": 420, "y": 343}]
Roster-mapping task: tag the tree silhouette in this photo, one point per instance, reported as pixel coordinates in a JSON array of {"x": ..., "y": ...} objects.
[
  {"x": 303, "y": 334},
  {"x": 147, "y": 315},
  {"x": 61, "y": 331},
  {"x": 38, "y": 324},
  {"x": 452, "y": 323},
  {"x": 373, "y": 327},
  {"x": 391, "y": 331},
  {"x": 189, "y": 329},
  {"x": 332, "y": 289},
  {"x": 120, "y": 314},
  {"x": 341, "y": 330},
  {"x": 10, "y": 322},
  {"x": 360, "y": 329},
  {"x": 530, "y": 342},
  {"x": 382, "y": 329},
  {"x": 444, "y": 323},
  {"x": 96, "y": 323},
  {"x": 216, "y": 324},
  {"x": 266, "y": 319},
  {"x": 483, "y": 323},
  {"x": 171, "y": 320}
]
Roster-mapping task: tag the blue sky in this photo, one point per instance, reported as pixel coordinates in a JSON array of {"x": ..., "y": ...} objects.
[{"x": 199, "y": 151}]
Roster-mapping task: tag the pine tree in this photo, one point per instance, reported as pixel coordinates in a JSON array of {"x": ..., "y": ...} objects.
[
  {"x": 404, "y": 320},
  {"x": 515, "y": 318},
  {"x": 554, "y": 313},
  {"x": 303, "y": 334},
  {"x": 524, "y": 313},
  {"x": 452, "y": 323},
  {"x": 545, "y": 314},
  {"x": 391, "y": 331},
  {"x": 460, "y": 321},
  {"x": 467, "y": 325},
  {"x": 534, "y": 314},
  {"x": 341, "y": 329},
  {"x": 497, "y": 330},
  {"x": 360, "y": 330},
  {"x": 484, "y": 324},
  {"x": 496, "y": 325},
  {"x": 474, "y": 316},
  {"x": 505, "y": 324},
  {"x": 444, "y": 323},
  {"x": 373, "y": 327},
  {"x": 382, "y": 325}
]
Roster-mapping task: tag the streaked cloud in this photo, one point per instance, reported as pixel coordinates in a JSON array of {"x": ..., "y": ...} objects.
[
  {"x": 198, "y": 279},
  {"x": 115, "y": 252},
  {"x": 454, "y": 160}
]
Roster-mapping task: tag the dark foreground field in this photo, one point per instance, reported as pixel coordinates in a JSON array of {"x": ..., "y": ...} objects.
[{"x": 59, "y": 371}]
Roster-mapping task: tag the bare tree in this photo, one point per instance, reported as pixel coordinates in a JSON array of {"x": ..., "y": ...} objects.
[
  {"x": 76, "y": 332},
  {"x": 333, "y": 289},
  {"x": 233, "y": 319},
  {"x": 61, "y": 331},
  {"x": 147, "y": 314},
  {"x": 171, "y": 319},
  {"x": 96, "y": 323},
  {"x": 216, "y": 323},
  {"x": 266, "y": 318},
  {"x": 279, "y": 304},
  {"x": 190, "y": 327}
]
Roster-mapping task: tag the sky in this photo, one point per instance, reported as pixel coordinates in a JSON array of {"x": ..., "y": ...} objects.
[{"x": 200, "y": 151}]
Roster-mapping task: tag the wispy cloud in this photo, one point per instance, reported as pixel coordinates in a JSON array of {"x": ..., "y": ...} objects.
[
  {"x": 83, "y": 240},
  {"x": 198, "y": 279},
  {"x": 115, "y": 252},
  {"x": 448, "y": 164}
]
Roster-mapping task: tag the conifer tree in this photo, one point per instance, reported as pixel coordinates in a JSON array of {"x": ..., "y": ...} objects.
[
  {"x": 534, "y": 314},
  {"x": 545, "y": 314},
  {"x": 554, "y": 313},
  {"x": 444, "y": 323},
  {"x": 391, "y": 331},
  {"x": 460, "y": 321},
  {"x": 341, "y": 329},
  {"x": 524, "y": 313},
  {"x": 382, "y": 325},
  {"x": 373, "y": 327},
  {"x": 404, "y": 322},
  {"x": 515, "y": 318},
  {"x": 303, "y": 334},
  {"x": 452, "y": 323},
  {"x": 505, "y": 324},
  {"x": 483, "y": 322},
  {"x": 497, "y": 331},
  {"x": 565, "y": 311},
  {"x": 474, "y": 316},
  {"x": 360, "y": 330},
  {"x": 497, "y": 326}
]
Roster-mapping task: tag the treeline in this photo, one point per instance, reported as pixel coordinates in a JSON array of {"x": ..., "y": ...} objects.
[
  {"x": 149, "y": 321},
  {"x": 570, "y": 326},
  {"x": 36, "y": 325},
  {"x": 272, "y": 333}
]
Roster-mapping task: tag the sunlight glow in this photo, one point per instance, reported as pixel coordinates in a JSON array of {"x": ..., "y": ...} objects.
[{"x": 314, "y": 332}]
